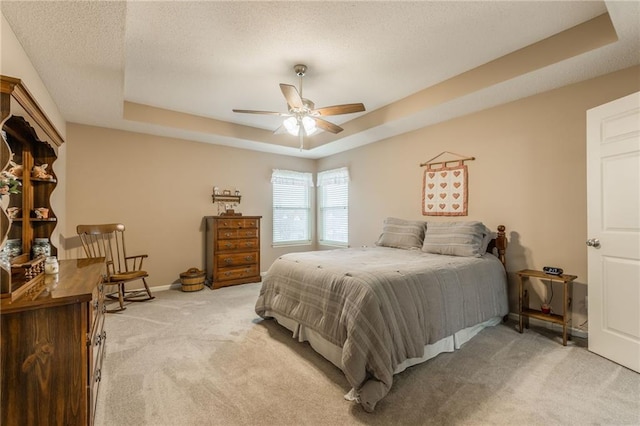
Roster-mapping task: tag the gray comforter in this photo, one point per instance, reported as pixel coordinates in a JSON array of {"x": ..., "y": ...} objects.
[{"x": 382, "y": 305}]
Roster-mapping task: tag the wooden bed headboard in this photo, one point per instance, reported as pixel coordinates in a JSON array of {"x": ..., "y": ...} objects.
[{"x": 499, "y": 243}]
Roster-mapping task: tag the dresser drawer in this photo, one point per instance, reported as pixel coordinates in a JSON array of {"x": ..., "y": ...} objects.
[
  {"x": 224, "y": 274},
  {"x": 237, "y": 223},
  {"x": 225, "y": 260},
  {"x": 237, "y": 244},
  {"x": 224, "y": 234}
]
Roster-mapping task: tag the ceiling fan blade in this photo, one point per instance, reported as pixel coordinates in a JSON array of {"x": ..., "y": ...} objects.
[
  {"x": 340, "y": 109},
  {"x": 250, "y": 111},
  {"x": 327, "y": 126},
  {"x": 294, "y": 100},
  {"x": 281, "y": 130}
]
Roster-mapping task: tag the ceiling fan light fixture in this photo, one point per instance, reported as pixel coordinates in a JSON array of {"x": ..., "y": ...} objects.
[
  {"x": 309, "y": 125},
  {"x": 291, "y": 124}
]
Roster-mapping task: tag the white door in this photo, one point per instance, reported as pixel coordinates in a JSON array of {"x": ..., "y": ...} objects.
[{"x": 613, "y": 220}]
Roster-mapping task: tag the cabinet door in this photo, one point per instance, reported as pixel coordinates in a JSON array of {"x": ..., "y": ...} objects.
[{"x": 44, "y": 366}]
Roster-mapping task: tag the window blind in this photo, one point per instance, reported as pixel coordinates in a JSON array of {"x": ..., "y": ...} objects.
[
  {"x": 333, "y": 206},
  {"x": 291, "y": 207}
]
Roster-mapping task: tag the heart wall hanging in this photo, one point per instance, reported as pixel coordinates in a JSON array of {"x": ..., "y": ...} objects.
[{"x": 444, "y": 191}]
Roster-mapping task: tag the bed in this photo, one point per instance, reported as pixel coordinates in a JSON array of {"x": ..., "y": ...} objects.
[{"x": 424, "y": 289}]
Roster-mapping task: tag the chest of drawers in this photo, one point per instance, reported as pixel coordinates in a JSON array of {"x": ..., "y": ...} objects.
[
  {"x": 53, "y": 342},
  {"x": 232, "y": 250}
]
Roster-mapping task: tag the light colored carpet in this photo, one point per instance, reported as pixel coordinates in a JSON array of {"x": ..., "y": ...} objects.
[{"x": 206, "y": 358}]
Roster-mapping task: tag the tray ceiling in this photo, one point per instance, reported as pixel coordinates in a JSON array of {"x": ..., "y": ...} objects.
[{"x": 178, "y": 68}]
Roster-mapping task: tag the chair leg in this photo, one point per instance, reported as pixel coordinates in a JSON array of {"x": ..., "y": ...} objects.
[
  {"x": 121, "y": 295},
  {"x": 147, "y": 288},
  {"x": 139, "y": 295}
]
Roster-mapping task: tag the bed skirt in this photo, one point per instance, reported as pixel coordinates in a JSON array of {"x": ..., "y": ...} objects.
[{"x": 333, "y": 353}]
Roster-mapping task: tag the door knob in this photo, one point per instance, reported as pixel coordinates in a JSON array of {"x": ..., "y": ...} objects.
[{"x": 593, "y": 242}]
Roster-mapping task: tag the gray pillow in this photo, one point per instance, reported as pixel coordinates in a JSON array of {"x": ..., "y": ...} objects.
[
  {"x": 456, "y": 238},
  {"x": 401, "y": 233}
]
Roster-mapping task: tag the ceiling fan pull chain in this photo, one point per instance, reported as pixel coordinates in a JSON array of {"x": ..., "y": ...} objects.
[{"x": 301, "y": 137}]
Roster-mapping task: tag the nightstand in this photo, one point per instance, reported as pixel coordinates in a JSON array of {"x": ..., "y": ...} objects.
[{"x": 526, "y": 312}]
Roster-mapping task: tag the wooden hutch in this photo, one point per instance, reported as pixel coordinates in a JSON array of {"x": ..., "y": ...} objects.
[{"x": 52, "y": 334}]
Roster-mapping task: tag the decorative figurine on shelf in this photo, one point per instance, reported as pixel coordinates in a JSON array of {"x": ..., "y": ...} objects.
[
  {"x": 237, "y": 193},
  {"x": 226, "y": 192},
  {"x": 216, "y": 190},
  {"x": 15, "y": 169},
  {"x": 40, "y": 172},
  {"x": 13, "y": 212},
  {"x": 41, "y": 212}
]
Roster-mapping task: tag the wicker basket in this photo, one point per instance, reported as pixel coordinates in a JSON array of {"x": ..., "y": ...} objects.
[{"x": 192, "y": 279}]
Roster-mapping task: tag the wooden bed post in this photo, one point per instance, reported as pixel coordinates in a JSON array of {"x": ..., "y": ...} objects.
[{"x": 501, "y": 244}]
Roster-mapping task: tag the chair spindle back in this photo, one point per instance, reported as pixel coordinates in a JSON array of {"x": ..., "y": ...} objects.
[{"x": 105, "y": 241}]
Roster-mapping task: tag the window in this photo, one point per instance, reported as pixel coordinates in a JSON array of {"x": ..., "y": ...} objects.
[
  {"x": 333, "y": 206},
  {"x": 291, "y": 207}
]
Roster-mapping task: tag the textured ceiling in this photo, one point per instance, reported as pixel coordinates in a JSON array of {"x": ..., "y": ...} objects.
[{"x": 204, "y": 58}]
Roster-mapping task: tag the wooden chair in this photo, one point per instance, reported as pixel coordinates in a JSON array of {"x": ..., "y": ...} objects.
[{"x": 107, "y": 240}]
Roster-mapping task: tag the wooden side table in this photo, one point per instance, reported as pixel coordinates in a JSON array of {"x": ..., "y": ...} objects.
[{"x": 526, "y": 312}]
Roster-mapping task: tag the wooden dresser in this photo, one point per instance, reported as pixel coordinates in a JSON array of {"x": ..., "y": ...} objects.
[
  {"x": 232, "y": 250},
  {"x": 53, "y": 342}
]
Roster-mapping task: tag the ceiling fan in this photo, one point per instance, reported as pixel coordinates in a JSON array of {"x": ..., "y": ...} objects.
[{"x": 303, "y": 118}]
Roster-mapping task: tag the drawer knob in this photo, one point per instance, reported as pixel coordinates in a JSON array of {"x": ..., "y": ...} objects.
[
  {"x": 228, "y": 245},
  {"x": 228, "y": 261},
  {"x": 226, "y": 274},
  {"x": 228, "y": 234},
  {"x": 248, "y": 258}
]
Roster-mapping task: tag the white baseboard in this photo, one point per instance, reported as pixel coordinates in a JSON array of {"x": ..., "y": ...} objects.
[
  {"x": 174, "y": 286},
  {"x": 550, "y": 325}
]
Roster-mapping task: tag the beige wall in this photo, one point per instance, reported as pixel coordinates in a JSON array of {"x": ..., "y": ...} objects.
[
  {"x": 529, "y": 174},
  {"x": 160, "y": 188}
]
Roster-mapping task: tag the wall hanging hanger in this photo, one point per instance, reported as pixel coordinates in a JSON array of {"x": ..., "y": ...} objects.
[
  {"x": 444, "y": 190},
  {"x": 460, "y": 159}
]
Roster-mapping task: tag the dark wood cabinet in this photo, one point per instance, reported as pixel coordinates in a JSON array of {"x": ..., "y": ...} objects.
[
  {"x": 232, "y": 250},
  {"x": 52, "y": 345},
  {"x": 28, "y": 149}
]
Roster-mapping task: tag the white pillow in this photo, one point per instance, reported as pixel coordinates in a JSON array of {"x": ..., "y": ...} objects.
[{"x": 456, "y": 238}]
